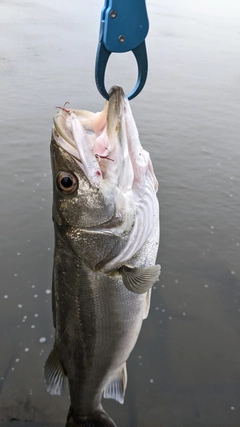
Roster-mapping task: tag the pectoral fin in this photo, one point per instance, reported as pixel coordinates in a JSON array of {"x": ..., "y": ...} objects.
[
  {"x": 55, "y": 375},
  {"x": 140, "y": 280},
  {"x": 116, "y": 389}
]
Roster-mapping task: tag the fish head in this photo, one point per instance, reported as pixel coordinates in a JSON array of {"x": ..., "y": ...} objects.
[
  {"x": 78, "y": 203},
  {"x": 99, "y": 179}
]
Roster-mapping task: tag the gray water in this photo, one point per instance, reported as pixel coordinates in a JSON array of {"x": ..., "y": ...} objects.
[{"x": 185, "y": 368}]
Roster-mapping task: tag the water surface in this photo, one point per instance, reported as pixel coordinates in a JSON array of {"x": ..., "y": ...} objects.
[{"x": 184, "y": 370}]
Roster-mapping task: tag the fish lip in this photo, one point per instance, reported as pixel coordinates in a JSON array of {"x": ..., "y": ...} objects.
[
  {"x": 115, "y": 107},
  {"x": 116, "y": 91}
]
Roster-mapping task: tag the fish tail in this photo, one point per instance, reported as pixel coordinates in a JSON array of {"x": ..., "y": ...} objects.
[{"x": 99, "y": 419}]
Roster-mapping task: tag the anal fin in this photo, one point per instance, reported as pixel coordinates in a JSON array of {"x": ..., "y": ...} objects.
[
  {"x": 55, "y": 375},
  {"x": 116, "y": 389},
  {"x": 140, "y": 279}
]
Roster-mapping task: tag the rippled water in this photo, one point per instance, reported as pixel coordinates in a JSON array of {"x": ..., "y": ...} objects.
[{"x": 184, "y": 370}]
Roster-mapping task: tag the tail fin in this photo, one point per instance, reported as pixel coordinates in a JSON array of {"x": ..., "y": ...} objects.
[{"x": 99, "y": 419}]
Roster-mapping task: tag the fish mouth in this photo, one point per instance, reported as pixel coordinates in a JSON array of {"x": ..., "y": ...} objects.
[
  {"x": 107, "y": 148},
  {"x": 96, "y": 140}
]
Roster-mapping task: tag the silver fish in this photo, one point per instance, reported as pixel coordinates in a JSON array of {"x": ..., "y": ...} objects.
[{"x": 106, "y": 220}]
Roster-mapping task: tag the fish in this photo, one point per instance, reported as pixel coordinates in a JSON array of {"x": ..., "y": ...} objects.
[{"x": 106, "y": 222}]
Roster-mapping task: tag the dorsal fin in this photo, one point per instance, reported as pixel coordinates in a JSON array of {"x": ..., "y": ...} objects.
[{"x": 55, "y": 375}]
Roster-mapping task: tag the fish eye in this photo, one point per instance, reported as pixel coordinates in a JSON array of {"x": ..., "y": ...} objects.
[{"x": 67, "y": 182}]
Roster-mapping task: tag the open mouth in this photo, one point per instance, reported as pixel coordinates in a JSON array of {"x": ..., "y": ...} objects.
[
  {"x": 107, "y": 148},
  {"x": 94, "y": 140}
]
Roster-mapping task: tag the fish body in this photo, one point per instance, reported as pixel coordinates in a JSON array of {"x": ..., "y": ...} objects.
[{"x": 106, "y": 222}]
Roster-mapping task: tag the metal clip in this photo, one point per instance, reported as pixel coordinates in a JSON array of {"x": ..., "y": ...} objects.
[{"x": 124, "y": 27}]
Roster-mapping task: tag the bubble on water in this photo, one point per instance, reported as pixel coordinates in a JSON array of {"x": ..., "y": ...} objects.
[
  {"x": 232, "y": 408},
  {"x": 205, "y": 286},
  {"x": 19, "y": 305},
  {"x": 154, "y": 287},
  {"x": 237, "y": 244},
  {"x": 33, "y": 286},
  {"x": 18, "y": 253},
  {"x": 48, "y": 291},
  {"x": 32, "y": 326},
  {"x": 5, "y": 296},
  {"x": 163, "y": 286},
  {"x": 170, "y": 317},
  {"x": 212, "y": 227},
  {"x": 42, "y": 339},
  {"x": 163, "y": 310},
  {"x": 43, "y": 200},
  {"x": 17, "y": 360},
  {"x": 176, "y": 281},
  {"x": 48, "y": 249},
  {"x": 26, "y": 349},
  {"x": 151, "y": 381},
  {"x": 232, "y": 272},
  {"x": 36, "y": 295},
  {"x": 37, "y": 184},
  {"x": 28, "y": 240},
  {"x": 35, "y": 315},
  {"x": 12, "y": 369},
  {"x": 184, "y": 314},
  {"x": 15, "y": 274},
  {"x": 157, "y": 308},
  {"x": 139, "y": 356}
]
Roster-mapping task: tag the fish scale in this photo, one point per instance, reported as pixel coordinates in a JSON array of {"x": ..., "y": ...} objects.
[{"x": 106, "y": 242}]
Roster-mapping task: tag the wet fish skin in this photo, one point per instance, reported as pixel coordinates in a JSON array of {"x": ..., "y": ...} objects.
[
  {"x": 79, "y": 292},
  {"x": 97, "y": 311}
]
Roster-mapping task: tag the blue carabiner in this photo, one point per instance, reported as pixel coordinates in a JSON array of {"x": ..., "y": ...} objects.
[{"x": 124, "y": 27}]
